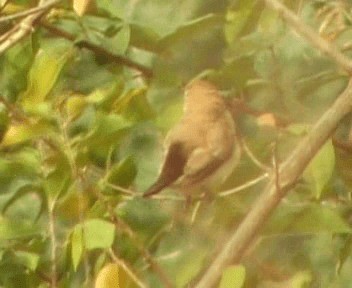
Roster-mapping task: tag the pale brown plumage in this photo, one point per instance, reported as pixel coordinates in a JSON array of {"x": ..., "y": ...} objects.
[{"x": 201, "y": 145}]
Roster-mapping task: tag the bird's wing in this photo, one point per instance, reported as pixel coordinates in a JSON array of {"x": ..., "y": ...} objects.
[
  {"x": 171, "y": 169},
  {"x": 204, "y": 160}
]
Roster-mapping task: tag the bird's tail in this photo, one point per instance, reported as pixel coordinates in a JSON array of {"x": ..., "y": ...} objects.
[
  {"x": 155, "y": 188},
  {"x": 172, "y": 169}
]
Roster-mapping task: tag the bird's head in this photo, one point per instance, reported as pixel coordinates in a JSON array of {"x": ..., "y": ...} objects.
[{"x": 201, "y": 95}]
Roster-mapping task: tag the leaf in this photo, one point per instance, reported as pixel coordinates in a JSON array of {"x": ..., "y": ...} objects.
[
  {"x": 22, "y": 170},
  {"x": 312, "y": 219},
  {"x": 19, "y": 133},
  {"x": 118, "y": 43},
  {"x": 107, "y": 131},
  {"x": 143, "y": 215},
  {"x": 17, "y": 229},
  {"x": 298, "y": 129},
  {"x": 134, "y": 105},
  {"x": 192, "y": 28},
  {"x": 75, "y": 105},
  {"x": 318, "y": 219},
  {"x": 43, "y": 74},
  {"x": 58, "y": 174},
  {"x": 13, "y": 68},
  {"x": 23, "y": 194},
  {"x": 98, "y": 233},
  {"x": 237, "y": 19},
  {"x": 81, "y": 7},
  {"x": 113, "y": 35},
  {"x": 108, "y": 128},
  {"x": 301, "y": 279},
  {"x": 233, "y": 277},
  {"x": 109, "y": 277},
  {"x": 77, "y": 246},
  {"x": 144, "y": 37},
  {"x": 122, "y": 173},
  {"x": 28, "y": 259},
  {"x": 320, "y": 169}
]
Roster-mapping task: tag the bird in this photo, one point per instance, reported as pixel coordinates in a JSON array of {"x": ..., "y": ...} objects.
[{"x": 200, "y": 151}]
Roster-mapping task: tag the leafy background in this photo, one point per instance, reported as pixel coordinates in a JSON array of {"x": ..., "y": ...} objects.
[{"x": 79, "y": 127}]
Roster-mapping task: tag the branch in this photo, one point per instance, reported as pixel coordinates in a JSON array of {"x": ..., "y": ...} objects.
[
  {"x": 311, "y": 36},
  {"x": 22, "y": 14},
  {"x": 118, "y": 59},
  {"x": 127, "y": 269},
  {"x": 25, "y": 27},
  {"x": 289, "y": 171}
]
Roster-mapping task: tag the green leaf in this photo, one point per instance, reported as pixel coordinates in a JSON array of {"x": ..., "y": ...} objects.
[
  {"x": 143, "y": 215},
  {"x": 28, "y": 259},
  {"x": 237, "y": 19},
  {"x": 77, "y": 246},
  {"x": 112, "y": 35},
  {"x": 18, "y": 133},
  {"x": 13, "y": 68},
  {"x": 312, "y": 219},
  {"x": 98, "y": 233},
  {"x": 298, "y": 129},
  {"x": 320, "y": 169},
  {"x": 58, "y": 176},
  {"x": 233, "y": 277},
  {"x": 134, "y": 105},
  {"x": 47, "y": 65},
  {"x": 22, "y": 170},
  {"x": 192, "y": 28},
  {"x": 15, "y": 229},
  {"x": 301, "y": 279},
  {"x": 108, "y": 128},
  {"x": 107, "y": 131},
  {"x": 144, "y": 37},
  {"x": 123, "y": 173}
]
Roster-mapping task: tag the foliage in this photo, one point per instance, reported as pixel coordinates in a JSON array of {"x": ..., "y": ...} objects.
[{"x": 81, "y": 140}]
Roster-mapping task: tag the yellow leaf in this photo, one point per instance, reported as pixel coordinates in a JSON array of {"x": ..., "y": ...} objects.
[
  {"x": 75, "y": 106},
  {"x": 18, "y": 133},
  {"x": 11, "y": 8},
  {"x": 42, "y": 77},
  {"x": 81, "y": 7},
  {"x": 111, "y": 276}
]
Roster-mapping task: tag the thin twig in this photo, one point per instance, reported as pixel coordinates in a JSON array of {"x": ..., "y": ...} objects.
[
  {"x": 29, "y": 11},
  {"x": 254, "y": 159},
  {"x": 276, "y": 168},
  {"x": 128, "y": 269},
  {"x": 244, "y": 186},
  {"x": 121, "y": 189}
]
